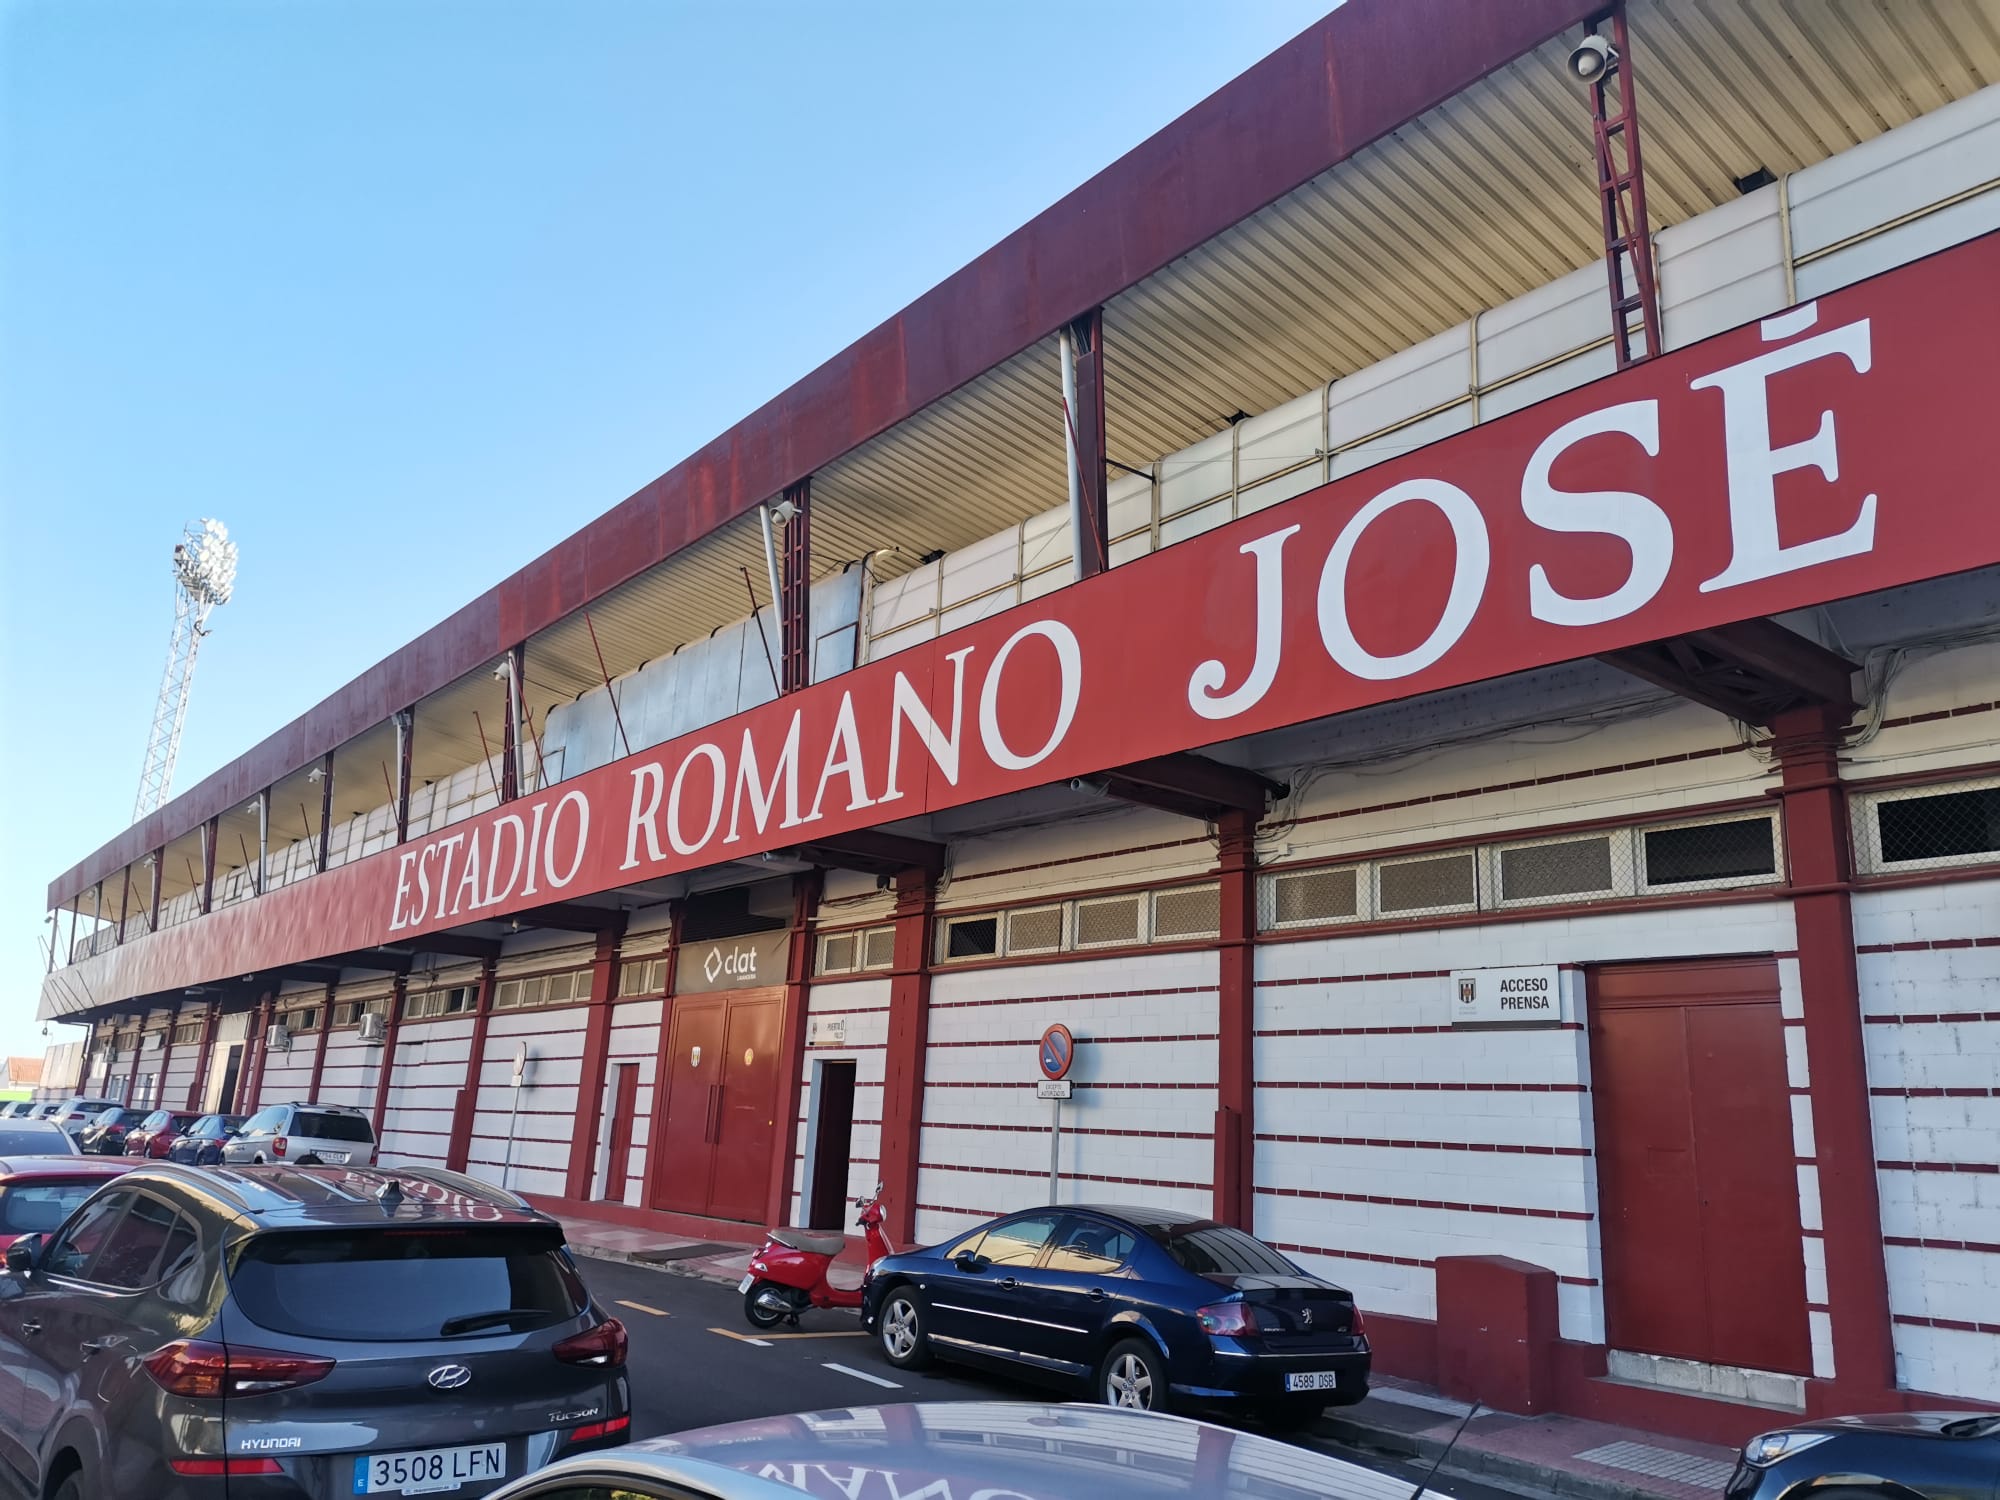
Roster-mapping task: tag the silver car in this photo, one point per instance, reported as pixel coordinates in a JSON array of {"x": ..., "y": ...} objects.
[
  {"x": 298, "y": 1333},
  {"x": 74, "y": 1113},
  {"x": 961, "y": 1449},
  {"x": 307, "y": 1135}
]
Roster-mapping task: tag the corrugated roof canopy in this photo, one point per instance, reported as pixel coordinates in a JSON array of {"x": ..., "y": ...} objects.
[{"x": 1468, "y": 204}]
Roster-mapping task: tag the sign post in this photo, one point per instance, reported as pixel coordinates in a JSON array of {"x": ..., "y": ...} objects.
[{"x": 1058, "y": 1051}]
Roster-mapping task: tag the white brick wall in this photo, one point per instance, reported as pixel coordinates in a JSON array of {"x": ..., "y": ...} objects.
[
  {"x": 1375, "y": 1141},
  {"x": 1933, "y": 1047},
  {"x": 431, "y": 1059},
  {"x": 635, "y": 1040},
  {"x": 863, "y": 1004},
  {"x": 546, "y": 1122},
  {"x": 1141, "y": 1125}
]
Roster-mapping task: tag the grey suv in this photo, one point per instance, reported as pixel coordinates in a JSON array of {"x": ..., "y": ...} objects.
[
  {"x": 309, "y": 1135},
  {"x": 276, "y": 1333}
]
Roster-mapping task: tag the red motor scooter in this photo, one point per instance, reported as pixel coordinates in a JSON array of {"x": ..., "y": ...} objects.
[{"x": 792, "y": 1272}]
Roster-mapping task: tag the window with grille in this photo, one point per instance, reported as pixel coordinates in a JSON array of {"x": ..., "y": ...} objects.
[
  {"x": 840, "y": 953},
  {"x": 1111, "y": 923},
  {"x": 878, "y": 948},
  {"x": 187, "y": 1033},
  {"x": 1193, "y": 911},
  {"x": 972, "y": 937},
  {"x": 350, "y": 1012},
  {"x": 1566, "y": 867},
  {"x": 1716, "y": 853},
  {"x": 1929, "y": 827},
  {"x": 1301, "y": 898},
  {"x": 305, "y": 1019},
  {"x": 1443, "y": 882},
  {"x": 430, "y": 1004},
  {"x": 642, "y": 976},
  {"x": 542, "y": 989},
  {"x": 1037, "y": 929}
]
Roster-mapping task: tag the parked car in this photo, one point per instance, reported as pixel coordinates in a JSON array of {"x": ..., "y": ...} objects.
[
  {"x": 36, "y": 1138},
  {"x": 17, "y": 1109},
  {"x": 157, "y": 1132},
  {"x": 1938, "y": 1455},
  {"x": 964, "y": 1449},
  {"x": 78, "y": 1111},
  {"x": 1149, "y": 1308},
  {"x": 336, "y": 1134},
  {"x": 201, "y": 1145},
  {"x": 105, "y": 1134},
  {"x": 38, "y": 1192},
  {"x": 300, "y": 1333}
]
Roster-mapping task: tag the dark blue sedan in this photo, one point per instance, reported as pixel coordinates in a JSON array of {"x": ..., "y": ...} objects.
[
  {"x": 1148, "y": 1308},
  {"x": 202, "y": 1145}
]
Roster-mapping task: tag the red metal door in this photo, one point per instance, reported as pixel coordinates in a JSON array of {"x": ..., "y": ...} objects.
[
  {"x": 748, "y": 1115},
  {"x": 683, "y": 1147},
  {"x": 1697, "y": 1185},
  {"x": 624, "y": 1105}
]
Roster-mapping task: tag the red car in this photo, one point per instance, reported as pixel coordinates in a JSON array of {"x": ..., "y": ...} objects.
[
  {"x": 153, "y": 1135},
  {"x": 37, "y": 1193}
]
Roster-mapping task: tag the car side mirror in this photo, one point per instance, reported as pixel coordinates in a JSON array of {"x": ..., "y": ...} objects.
[
  {"x": 23, "y": 1253},
  {"x": 967, "y": 1260}
]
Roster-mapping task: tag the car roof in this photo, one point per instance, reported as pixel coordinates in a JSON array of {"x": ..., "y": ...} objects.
[
  {"x": 972, "y": 1447},
  {"x": 1142, "y": 1215},
  {"x": 293, "y": 1197},
  {"x": 64, "y": 1166}
]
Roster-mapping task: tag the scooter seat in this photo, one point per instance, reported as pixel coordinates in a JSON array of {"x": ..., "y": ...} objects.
[{"x": 812, "y": 1241}]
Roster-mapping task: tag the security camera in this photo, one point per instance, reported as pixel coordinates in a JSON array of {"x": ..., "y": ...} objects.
[{"x": 1592, "y": 58}]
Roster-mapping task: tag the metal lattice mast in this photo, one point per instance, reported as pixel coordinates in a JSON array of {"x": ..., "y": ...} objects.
[{"x": 204, "y": 575}]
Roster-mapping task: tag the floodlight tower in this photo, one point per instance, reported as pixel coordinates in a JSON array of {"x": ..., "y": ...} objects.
[{"x": 204, "y": 574}]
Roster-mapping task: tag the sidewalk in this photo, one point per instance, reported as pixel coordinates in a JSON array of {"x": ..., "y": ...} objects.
[{"x": 1547, "y": 1455}]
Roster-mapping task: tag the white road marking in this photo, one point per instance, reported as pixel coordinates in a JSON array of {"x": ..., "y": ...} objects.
[{"x": 889, "y": 1385}]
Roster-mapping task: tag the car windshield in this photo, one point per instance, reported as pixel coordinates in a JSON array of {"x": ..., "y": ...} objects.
[
  {"x": 393, "y": 1283},
  {"x": 1218, "y": 1250},
  {"x": 40, "y": 1207},
  {"x": 25, "y": 1139},
  {"x": 331, "y": 1127}
]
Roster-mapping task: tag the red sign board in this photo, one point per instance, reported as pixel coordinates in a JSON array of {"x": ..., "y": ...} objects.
[
  {"x": 1841, "y": 447},
  {"x": 1057, "y": 1053}
]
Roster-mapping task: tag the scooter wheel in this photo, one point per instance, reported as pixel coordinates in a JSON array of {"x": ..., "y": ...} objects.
[{"x": 760, "y": 1316}]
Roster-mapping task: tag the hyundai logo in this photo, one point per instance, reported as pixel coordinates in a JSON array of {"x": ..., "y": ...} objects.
[{"x": 449, "y": 1377}]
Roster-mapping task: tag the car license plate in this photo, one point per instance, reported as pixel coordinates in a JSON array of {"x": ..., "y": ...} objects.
[
  {"x": 336, "y": 1158},
  {"x": 1312, "y": 1380},
  {"x": 428, "y": 1471},
  {"x": 746, "y": 1283}
]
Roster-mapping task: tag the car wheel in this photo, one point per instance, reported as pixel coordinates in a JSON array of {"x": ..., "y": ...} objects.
[
  {"x": 1133, "y": 1377},
  {"x": 310, "y": 1161},
  {"x": 901, "y": 1329},
  {"x": 1294, "y": 1416},
  {"x": 761, "y": 1316},
  {"x": 257, "y": 1160}
]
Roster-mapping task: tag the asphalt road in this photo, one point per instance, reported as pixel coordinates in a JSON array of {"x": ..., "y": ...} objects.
[{"x": 695, "y": 1362}]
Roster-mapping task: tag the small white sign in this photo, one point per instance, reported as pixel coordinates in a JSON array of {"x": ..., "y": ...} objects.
[
  {"x": 826, "y": 1031},
  {"x": 1507, "y": 997},
  {"x": 520, "y": 1064},
  {"x": 1052, "y": 1088}
]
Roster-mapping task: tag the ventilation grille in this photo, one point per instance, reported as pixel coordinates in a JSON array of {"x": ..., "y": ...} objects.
[
  {"x": 1301, "y": 898},
  {"x": 1574, "y": 867},
  {"x": 1193, "y": 911},
  {"x": 1444, "y": 882},
  {"x": 1108, "y": 923},
  {"x": 1932, "y": 827},
  {"x": 878, "y": 948},
  {"x": 1038, "y": 929}
]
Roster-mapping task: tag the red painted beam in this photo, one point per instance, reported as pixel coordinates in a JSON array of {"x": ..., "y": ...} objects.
[{"x": 1363, "y": 71}]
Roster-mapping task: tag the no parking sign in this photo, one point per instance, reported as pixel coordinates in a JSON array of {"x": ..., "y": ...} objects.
[{"x": 1058, "y": 1051}]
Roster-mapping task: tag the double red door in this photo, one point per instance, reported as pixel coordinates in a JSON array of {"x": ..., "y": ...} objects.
[
  {"x": 713, "y": 1140},
  {"x": 1698, "y": 1193}
]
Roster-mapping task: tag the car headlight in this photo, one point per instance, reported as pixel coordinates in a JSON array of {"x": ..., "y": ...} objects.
[{"x": 1767, "y": 1448}]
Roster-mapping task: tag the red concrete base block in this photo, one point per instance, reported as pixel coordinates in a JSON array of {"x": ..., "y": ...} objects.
[{"x": 1497, "y": 1332}]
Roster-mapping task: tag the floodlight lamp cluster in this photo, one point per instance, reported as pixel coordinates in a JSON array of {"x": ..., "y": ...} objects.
[{"x": 205, "y": 562}]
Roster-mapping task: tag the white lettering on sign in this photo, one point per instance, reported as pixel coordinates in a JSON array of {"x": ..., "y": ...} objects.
[{"x": 1507, "y": 997}]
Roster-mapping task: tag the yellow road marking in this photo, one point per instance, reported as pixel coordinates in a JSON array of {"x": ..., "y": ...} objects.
[
  {"x": 741, "y": 1338},
  {"x": 658, "y": 1312},
  {"x": 846, "y": 1333}
]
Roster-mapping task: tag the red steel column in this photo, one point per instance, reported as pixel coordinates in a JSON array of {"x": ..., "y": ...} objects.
[
  {"x": 391, "y": 1025},
  {"x": 596, "y": 1049},
  {"x": 1819, "y": 858},
  {"x": 903, "y": 1065},
  {"x": 1235, "y": 1031},
  {"x": 251, "y": 1082},
  {"x": 1087, "y": 336},
  {"x": 138, "y": 1046},
  {"x": 325, "y": 1034},
  {"x": 210, "y": 1014},
  {"x": 159, "y": 1099},
  {"x": 459, "y": 1149},
  {"x": 792, "y": 1055}
]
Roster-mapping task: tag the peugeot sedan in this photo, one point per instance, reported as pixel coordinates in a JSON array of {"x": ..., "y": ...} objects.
[
  {"x": 299, "y": 1333},
  {"x": 1145, "y": 1307},
  {"x": 1936, "y": 1455}
]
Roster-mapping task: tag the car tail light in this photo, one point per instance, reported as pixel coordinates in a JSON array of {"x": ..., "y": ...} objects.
[
  {"x": 196, "y": 1367},
  {"x": 278, "y": 1146},
  {"x": 592, "y": 1430},
  {"x": 202, "y": 1468},
  {"x": 1231, "y": 1318},
  {"x": 1360, "y": 1324},
  {"x": 602, "y": 1345}
]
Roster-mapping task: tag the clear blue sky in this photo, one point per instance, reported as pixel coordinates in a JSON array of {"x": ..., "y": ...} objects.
[{"x": 405, "y": 291}]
